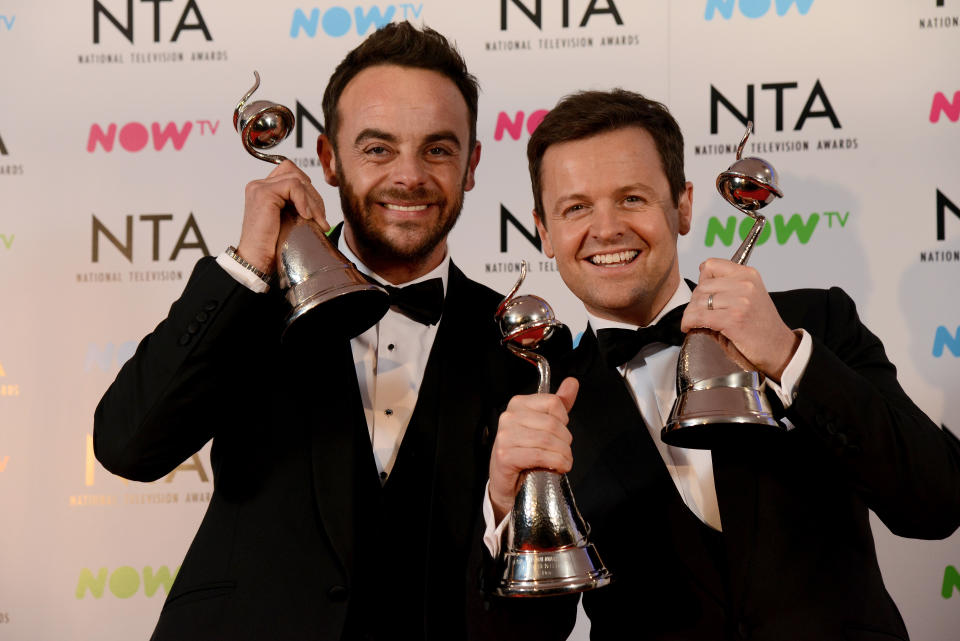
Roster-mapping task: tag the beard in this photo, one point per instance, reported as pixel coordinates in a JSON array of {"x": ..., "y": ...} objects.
[{"x": 405, "y": 241}]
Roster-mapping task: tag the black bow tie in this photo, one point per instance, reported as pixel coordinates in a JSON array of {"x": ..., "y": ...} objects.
[
  {"x": 619, "y": 346},
  {"x": 422, "y": 302}
]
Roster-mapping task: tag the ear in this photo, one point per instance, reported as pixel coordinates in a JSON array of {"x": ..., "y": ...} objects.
[
  {"x": 685, "y": 209},
  {"x": 469, "y": 181},
  {"x": 328, "y": 160},
  {"x": 544, "y": 236}
]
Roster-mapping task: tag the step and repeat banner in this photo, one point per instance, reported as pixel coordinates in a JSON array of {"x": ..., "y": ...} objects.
[{"x": 119, "y": 168}]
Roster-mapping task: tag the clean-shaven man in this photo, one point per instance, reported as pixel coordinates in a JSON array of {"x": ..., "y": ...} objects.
[{"x": 767, "y": 538}]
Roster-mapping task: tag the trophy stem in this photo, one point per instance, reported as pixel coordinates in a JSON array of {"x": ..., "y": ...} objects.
[
  {"x": 742, "y": 255},
  {"x": 543, "y": 367}
]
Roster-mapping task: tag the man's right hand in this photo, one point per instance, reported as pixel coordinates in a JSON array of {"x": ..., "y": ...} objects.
[
  {"x": 532, "y": 433},
  {"x": 264, "y": 200}
]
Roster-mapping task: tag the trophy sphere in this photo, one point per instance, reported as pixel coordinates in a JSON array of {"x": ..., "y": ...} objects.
[
  {"x": 264, "y": 124},
  {"x": 527, "y": 320},
  {"x": 749, "y": 184}
]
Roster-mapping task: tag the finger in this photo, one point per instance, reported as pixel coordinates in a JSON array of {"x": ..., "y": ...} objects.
[
  {"x": 517, "y": 459},
  {"x": 515, "y": 422},
  {"x": 567, "y": 392},
  {"x": 540, "y": 403}
]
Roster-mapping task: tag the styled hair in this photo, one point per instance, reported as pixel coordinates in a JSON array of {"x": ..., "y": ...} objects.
[
  {"x": 588, "y": 113},
  {"x": 401, "y": 44}
]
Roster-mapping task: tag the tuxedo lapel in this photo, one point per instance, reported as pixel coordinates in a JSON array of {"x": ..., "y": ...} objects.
[{"x": 614, "y": 435}]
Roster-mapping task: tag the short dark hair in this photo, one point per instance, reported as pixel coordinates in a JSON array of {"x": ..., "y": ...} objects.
[
  {"x": 588, "y": 113},
  {"x": 402, "y": 44}
]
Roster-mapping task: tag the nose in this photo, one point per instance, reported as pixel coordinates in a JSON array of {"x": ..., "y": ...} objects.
[
  {"x": 605, "y": 223},
  {"x": 409, "y": 171}
]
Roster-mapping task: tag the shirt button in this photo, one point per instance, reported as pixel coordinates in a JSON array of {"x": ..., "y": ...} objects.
[{"x": 388, "y": 412}]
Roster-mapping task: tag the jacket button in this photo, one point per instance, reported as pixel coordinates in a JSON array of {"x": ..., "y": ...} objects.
[
  {"x": 337, "y": 593},
  {"x": 210, "y": 305},
  {"x": 184, "y": 339},
  {"x": 201, "y": 317},
  {"x": 193, "y": 328}
]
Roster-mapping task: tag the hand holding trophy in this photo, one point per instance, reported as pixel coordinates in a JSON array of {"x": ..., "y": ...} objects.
[
  {"x": 717, "y": 387},
  {"x": 311, "y": 271},
  {"x": 547, "y": 548}
]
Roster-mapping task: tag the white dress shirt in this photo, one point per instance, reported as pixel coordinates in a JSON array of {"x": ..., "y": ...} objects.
[
  {"x": 651, "y": 377},
  {"x": 389, "y": 358}
]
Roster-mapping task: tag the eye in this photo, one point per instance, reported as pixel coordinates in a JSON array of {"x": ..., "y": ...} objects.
[
  {"x": 438, "y": 151},
  {"x": 375, "y": 150},
  {"x": 634, "y": 200}
]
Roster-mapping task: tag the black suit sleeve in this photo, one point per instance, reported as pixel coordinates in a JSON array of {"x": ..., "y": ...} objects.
[
  {"x": 905, "y": 467},
  {"x": 179, "y": 388}
]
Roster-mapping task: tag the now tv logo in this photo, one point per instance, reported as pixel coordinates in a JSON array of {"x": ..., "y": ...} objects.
[
  {"x": 943, "y": 106},
  {"x": 135, "y": 136},
  {"x": 754, "y": 8},
  {"x": 514, "y": 125}
]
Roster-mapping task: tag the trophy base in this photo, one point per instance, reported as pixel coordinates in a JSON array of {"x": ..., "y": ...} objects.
[
  {"x": 348, "y": 309},
  {"x": 550, "y": 572},
  {"x": 704, "y": 418}
]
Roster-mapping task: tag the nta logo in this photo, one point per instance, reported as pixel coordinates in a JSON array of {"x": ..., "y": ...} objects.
[
  {"x": 126, "y": 248},
  {"x": 336, "y": 21},
  {"x": 942, "y": 339},
  {"x": 3, "y": 148},
  {"x": 190, "y": 10},
  {"x": 7, "y": 21},
  {"x": 781, "y": 228},
  {"x": 942, "y": 106},
  {"x": 754, "y": 8},
  {"x": 134, "y": 136},
  {"x": 514, "y": 125},
  {"x": 535, "y": 15},
  {"x": 124, "y": 582},
  {"x": 816, "y": 94},
  {"x": 943, "y": 204}
]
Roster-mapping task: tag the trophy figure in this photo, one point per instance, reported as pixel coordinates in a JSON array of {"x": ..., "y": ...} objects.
[
  {"x": 719, "y": 392},
  {"x": 547, "y": 548},
  {"x": 311, "y": 271}
]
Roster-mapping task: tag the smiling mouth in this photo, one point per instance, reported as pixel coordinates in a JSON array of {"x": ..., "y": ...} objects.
[
  {"x": 614, "y": 258},
  {"x": 396, "y": 207}
]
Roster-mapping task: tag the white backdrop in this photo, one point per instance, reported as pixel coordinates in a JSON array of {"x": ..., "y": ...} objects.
[{"x": 119, "y": 168}]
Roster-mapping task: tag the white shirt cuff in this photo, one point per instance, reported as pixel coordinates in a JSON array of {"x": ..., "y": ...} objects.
[
  {"x": 786, "y": 390},
  {"x": 241, "y": 274},
  {"x": 493, "y": 532}
]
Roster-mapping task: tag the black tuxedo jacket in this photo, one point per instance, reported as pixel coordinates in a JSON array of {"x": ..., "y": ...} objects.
[
  {"x": 274, "y": 557},
  {"x": 797, "y": 558}
]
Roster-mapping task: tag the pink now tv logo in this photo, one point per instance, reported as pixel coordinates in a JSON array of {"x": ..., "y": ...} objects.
[
  {"x": 135, "y": 136},
  {"x": 943, "y": 106},
  {"x": 514, "y": 124}
]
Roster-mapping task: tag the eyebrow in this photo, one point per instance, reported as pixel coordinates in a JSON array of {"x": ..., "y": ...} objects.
[{"x": 377, "y": 134}]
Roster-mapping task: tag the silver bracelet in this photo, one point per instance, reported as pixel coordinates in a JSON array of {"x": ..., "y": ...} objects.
[{"x": 232, "y": 253}]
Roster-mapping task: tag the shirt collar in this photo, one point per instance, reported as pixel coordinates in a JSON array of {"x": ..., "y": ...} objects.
[
  {"x": 441, "y": 271},
  {"x": 681, "y": 296}
]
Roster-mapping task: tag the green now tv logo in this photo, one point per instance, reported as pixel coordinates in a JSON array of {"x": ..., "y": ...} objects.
[
  {"x": 780, "y": 227},
  {"x": 125, "y": 581},
  {"x": 951, "y": 582}
]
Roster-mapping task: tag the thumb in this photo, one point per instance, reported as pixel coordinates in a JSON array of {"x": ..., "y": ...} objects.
[{"x": 568, "y": 392}]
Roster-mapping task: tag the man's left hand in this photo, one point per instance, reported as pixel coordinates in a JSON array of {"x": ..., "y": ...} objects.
[{"x": 743, "y": 312}]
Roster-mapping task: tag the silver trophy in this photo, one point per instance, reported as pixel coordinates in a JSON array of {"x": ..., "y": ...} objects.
[
  {"x": 719, "y": 392},
  {"x": 547, "y": 548},
  {"x": 311, "y": 271}
]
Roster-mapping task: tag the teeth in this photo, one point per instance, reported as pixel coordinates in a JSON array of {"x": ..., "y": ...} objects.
[
  {"x": 614, "y": 258},
  {"x": 394, "y": 207}
]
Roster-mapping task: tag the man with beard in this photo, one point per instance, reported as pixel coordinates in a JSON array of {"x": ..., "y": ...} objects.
[
  {"x": 765, "y": 537},
  {"x": 346, "y": 472}
]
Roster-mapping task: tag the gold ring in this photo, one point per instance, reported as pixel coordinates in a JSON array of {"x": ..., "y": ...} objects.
[{"x": 710, "y": 302}]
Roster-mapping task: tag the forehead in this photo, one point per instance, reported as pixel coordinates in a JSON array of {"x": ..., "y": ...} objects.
[
  {"x": 406, "y": 102},
  {"x": 601, "y": 162}
]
